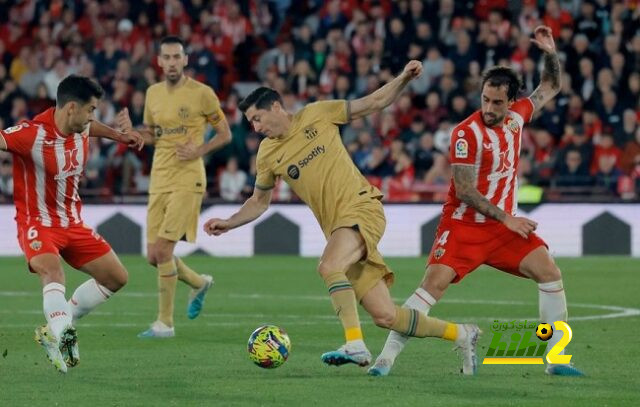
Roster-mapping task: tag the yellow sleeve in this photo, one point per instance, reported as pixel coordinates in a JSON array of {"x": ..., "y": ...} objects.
[
  {"x": 335, "y": 111},
  {"x": 147, "y": 119},
  {"x": 265, "y": 179},
  {"x": 211, "y": 106}
]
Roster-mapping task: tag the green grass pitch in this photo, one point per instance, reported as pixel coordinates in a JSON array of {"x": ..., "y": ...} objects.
[{"x": 206, "y": 364}]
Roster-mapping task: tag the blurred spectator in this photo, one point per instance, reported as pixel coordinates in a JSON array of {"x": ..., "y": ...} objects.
[
  {"x": 607, "y": 175},
  {"x": 425, "y": 155},
  {"x": 41, "y": 100},
  {"x": 6, "y": 177},
  {"x": 232, "y": 181},
  {"x": 33, "y": 76},
  {"x": 572, "y": 172},
  {"x": 607, "y": 150},
  {"x": 631, "y": 154}
]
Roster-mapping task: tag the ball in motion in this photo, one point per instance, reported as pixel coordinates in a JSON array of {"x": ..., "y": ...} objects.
[
  {"x": 544, "y": 331},
  {"x": 269, "y": 346}
]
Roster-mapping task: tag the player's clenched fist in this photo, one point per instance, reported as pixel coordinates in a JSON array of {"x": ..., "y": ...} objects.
[
  {"x": 413, "y": 69},
  {"x": 216, "y": 227}
]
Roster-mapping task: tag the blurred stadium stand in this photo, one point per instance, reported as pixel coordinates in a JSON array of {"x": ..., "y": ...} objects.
[{"x": 584, "y": 146}]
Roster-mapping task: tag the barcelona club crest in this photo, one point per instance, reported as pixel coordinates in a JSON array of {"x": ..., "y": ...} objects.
[
  {"x": 310, "y": 133},
  {"x": 35, "y": 245},
  {"x": 183, "y": 112}
]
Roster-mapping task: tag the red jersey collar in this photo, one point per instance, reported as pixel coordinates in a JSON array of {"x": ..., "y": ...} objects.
[{"x": 47, "y": 117}]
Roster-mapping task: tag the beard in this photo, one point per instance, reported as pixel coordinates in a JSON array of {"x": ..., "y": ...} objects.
[{"x": 491, "y": 119}]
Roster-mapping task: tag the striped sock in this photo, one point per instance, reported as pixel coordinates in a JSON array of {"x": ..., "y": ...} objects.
[
  {"x": 420, "y": 300},
  {"x": 167, "y": 279},
  {"x": 344, "y": 303},
  {"x": 411, "y": 322}
]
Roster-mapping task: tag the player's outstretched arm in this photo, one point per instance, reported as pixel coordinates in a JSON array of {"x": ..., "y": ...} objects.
[
  {"x": 550, "y": 81},
  {"x": 384, "y": 96},
  {"x": 189, "y": 151},
  {"x": 125, "y": 134},
  {"x": 464, "y": 180},
  {"x": 250, "y": 211}
]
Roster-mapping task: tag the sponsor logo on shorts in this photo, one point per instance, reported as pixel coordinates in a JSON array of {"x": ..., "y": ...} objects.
[
  {"x": 462, "y": 148},
  {"x": 293, "y": 171},
  {"x": 439, "y": 253},
  {"x": 35, "y": 245}
]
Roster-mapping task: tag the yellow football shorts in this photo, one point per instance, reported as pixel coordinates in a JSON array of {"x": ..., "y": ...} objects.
[
  {"x": 173, "y": 215},
  {"x": 369, "y": 220}
]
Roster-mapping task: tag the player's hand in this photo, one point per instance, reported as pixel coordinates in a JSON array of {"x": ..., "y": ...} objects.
[
  {"x": 123, "y": 121},
  {"x": 543, "y": 39},
  {"x": 413, "y": 69},
  {"x": 126, "y": 134},
  {"x": 187, "y": 151},
  {"x": 133, "y": 139},
  {"x": 520, "y": 225},
  {"x": 216, "y": 227}
]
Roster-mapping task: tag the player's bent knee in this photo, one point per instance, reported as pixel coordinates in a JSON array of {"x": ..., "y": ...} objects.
[
  {"x": 384, "y": 319},
  {"x": 327, "y": 267},
  {"x": 116, "y": 279},
  {"x": 48, "y": 272},
  {"x": 550, "y": 272},
  {"x": 152, "y": 260}
]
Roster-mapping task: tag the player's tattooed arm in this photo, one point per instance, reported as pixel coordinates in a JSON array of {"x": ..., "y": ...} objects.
[
  {"x": 464, "y": 179},
  {"x": 550, "y": 81}
]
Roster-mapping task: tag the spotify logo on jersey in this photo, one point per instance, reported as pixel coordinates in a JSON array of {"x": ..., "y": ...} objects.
[{"x": 293, "y": 171}]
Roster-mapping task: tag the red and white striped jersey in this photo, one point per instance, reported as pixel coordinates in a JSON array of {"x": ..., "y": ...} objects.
[
  {"x": 494, "y": 152},
  {"x": 47, "y": 166}
]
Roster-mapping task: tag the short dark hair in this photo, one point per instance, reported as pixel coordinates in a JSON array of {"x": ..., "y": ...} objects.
[
  {"x": 76, "y": 88},
  {"x": 502, "y": 76},
  {"x": 261, "y": 98},
  {"x": 172, "y": 39}
]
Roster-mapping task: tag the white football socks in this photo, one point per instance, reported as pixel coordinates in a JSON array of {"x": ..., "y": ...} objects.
[
  {"x": 87, "y": 296},
  {"x": 56, "y": 309},
  {"x": 553, "y": 307},
  {"x": 420, "y": 300}
]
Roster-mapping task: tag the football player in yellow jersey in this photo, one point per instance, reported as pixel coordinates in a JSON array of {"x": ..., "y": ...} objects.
[
  {"x": 176, "y": 114},
  {"x": 305, "y": 149}
]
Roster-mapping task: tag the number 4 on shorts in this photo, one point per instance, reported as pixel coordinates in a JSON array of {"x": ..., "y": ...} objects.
[{"x": 443, "y": 238}]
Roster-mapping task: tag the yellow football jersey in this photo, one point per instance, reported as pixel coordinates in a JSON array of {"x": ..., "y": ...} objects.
[
  {"x": 179, "y": 115},
  {"x": 313, "y": 161}
]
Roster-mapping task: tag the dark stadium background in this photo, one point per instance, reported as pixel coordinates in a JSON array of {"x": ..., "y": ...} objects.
[{"x": 583, "y": 146}]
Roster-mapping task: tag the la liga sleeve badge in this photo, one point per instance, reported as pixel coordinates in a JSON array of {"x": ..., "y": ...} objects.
[{"x": 462, "y": 148}]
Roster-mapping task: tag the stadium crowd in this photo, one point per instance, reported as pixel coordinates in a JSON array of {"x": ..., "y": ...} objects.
[{"x": 584, "y": 143}]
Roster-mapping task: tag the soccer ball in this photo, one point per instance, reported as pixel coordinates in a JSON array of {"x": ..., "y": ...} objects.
[
  {"x": 544, "y": 331},
  {"x": 269, "y": 346}
]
